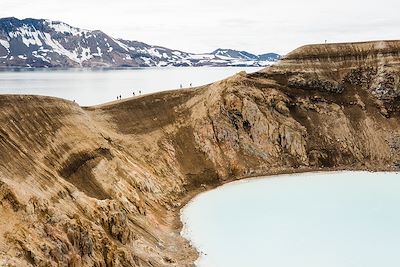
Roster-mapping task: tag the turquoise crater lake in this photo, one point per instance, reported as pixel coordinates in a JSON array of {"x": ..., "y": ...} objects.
[{"x": 330, "y": 219}]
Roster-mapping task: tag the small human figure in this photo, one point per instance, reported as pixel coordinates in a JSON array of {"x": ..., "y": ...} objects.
[
  {"x": 140, "y": 92},
  {"x": 181, "y": 86},
  {"x": 120, "y": 97},
  {"x": 190, "y": 84},
  {"x": 117, "y": 97},
  {"x": 325, "y": 41},
  {"x": 133, "y": 93}
]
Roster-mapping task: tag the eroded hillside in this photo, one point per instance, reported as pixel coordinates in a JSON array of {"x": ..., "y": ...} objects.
[{"x": 102, "y": 186}]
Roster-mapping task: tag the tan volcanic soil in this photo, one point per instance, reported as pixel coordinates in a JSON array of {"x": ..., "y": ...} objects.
[{"x": 103, "y": 185}]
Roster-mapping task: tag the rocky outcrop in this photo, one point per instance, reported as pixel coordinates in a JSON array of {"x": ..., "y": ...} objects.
[{"x": 103, "y": 185}]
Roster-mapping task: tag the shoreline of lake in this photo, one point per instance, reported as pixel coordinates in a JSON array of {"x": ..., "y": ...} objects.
[
  {"x": 89, "y": 87},
  {"x": 286, "y": 174}
]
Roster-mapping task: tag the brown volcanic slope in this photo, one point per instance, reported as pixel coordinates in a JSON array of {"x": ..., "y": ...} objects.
[{"x": 102, "y": 186}]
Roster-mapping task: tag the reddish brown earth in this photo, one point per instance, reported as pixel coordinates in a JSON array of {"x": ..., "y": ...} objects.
[{"x": 103, "y": 186}]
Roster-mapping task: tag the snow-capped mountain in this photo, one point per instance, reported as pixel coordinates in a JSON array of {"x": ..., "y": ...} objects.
[{"x": 45, "y": 43}]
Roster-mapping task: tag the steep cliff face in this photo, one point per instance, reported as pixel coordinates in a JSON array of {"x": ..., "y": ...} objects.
[{"x": 102, "y": 186}]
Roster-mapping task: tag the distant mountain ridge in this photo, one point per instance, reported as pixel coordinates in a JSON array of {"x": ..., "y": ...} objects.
[{"x": 45, "y": 43}]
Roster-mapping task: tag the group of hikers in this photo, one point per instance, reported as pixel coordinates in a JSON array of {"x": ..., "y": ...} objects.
[
  {"x": 119, "y": 97},
  {"x": 140, "y": 92},
  {"x": 181, "y": 86}
]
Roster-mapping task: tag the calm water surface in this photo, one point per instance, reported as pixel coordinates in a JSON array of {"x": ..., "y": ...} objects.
[
  {"x": 91, "y": 87},
  {"x": 344, "y": 219}
]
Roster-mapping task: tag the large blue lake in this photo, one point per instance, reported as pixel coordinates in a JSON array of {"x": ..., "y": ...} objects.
[
  {"x": 91, "y": 87},
  {"x": 344, "y": 219}
]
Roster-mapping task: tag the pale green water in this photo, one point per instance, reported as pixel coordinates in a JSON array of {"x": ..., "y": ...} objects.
[
  {"x": 91, "y": 87},
  {"x": 344, "y": 219}
]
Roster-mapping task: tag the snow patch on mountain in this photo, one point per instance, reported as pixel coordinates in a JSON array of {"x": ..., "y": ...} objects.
[
  {"x": 29, "y": 36},
  {"x": 5, "y": 44},
  {"x": 122, "y": 45},
  {"x": 41, "y": 56},
  {"x": 64, "y": 28},
  {"x": 99, "y": 53},
  {"x": 85, "y": 55},
  {"x": 58, "y": 48}
]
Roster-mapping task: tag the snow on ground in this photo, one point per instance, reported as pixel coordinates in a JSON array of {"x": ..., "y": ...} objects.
[
  {"x": 185, "y": 61},
  {"x": 122, "y": 45},
  {"x": 85, "y": 54},
  {"x": 224, "y": 57},
  {"x": 41, "y": 56},
  {"x": 201, "y": 56},
  {"x": 266, "y": 63},
  {"x": 29, "y": 36},
  {"x": 59, "y": 49},
  {"x": 218, "y": 61},
  {"x": 5, "y": 44},
  {"x": 64, "y": 28},
  {"x": 146, "y": 60},
  {"x": 99, "y": 53},
  {"x": 154, "y": 52},
  {"x": 162, "y": 64},
  {"x": 245, "y": 56}
]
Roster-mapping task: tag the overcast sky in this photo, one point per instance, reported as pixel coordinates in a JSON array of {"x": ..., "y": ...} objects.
[{"x": 257, "y": 26}]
